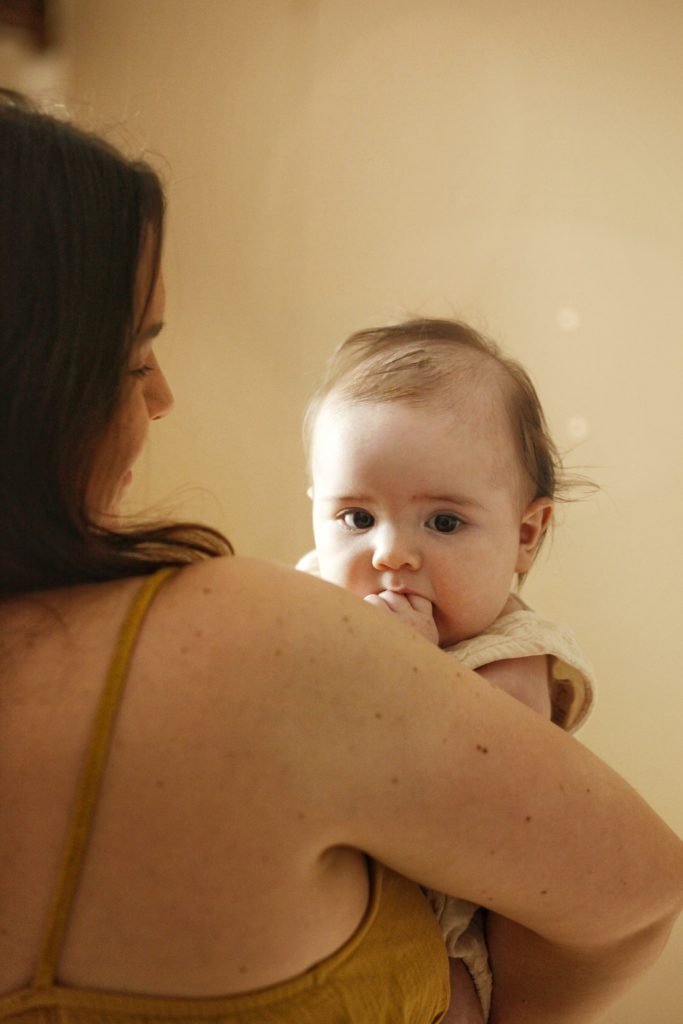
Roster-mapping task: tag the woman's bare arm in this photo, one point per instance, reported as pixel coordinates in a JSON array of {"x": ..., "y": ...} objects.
[{"x": 371, "y": 739}]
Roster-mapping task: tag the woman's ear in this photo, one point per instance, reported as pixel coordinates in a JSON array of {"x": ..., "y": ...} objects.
[{"x": 535, "y": 521}]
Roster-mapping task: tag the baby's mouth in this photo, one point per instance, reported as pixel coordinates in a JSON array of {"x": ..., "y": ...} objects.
[{"x": 403, "y": 589}]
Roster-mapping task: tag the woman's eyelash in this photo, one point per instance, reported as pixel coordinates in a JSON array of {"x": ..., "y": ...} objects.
[{"x": 141, "y": 371}]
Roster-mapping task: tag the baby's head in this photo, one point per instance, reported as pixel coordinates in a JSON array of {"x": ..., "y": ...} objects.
[{"x": 432, "y": 469}]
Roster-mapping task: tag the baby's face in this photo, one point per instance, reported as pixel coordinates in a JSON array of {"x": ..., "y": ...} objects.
[{"x": 421, "y": 500}]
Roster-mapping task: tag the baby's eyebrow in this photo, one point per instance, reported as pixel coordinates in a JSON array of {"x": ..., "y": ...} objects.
[
  {"x": 346, "y": 498},
  {"x": 449, "y": 499},
  {"x": 461, "y": 500}
]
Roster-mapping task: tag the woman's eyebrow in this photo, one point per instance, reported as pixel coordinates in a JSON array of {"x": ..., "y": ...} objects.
[{"x": 149, "y": 333}]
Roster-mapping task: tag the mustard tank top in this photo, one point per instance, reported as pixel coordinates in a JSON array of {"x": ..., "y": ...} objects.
[{"x": 392, "y": 970}]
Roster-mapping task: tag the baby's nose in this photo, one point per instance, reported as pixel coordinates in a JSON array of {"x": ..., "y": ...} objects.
[{"x": 395, "y": 550}]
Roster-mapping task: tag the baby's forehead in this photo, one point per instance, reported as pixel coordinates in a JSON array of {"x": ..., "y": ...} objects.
[
  {"x": 473, "y": 395},
  {"x": 478, "y": 416}
]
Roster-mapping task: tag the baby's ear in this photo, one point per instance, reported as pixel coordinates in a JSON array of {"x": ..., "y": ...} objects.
[
  {"x": 535, "y": 521},
  {"x": 309, "y": 492}
]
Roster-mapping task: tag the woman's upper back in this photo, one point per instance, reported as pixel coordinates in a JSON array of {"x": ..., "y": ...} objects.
[
  {"x": 272, "y": 727},
  {"x": 201, "y": 876}
]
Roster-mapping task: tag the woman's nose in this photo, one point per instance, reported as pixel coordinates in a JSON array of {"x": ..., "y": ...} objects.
[
  {"x": 395, "y": 550},
  {"x": 158, "y": 394}
]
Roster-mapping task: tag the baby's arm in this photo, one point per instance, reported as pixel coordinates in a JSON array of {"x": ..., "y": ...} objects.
[
  {"x": 465, "y": 1007},
  {"x": 523, "y": 678}
]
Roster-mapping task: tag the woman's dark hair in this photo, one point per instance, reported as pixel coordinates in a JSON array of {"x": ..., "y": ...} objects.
[{"x": 74, "y": 217}]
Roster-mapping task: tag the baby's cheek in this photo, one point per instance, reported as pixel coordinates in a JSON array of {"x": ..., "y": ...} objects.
[
  {"x": 341, "y": 572},
  {"x": 449, "y": 627},
  {"x": 358, "y": 585}
]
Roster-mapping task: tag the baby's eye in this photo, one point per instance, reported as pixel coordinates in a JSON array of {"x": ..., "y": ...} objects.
[
  {"x": 356, "y": 519},
  {"x": 444, "y": 522}
]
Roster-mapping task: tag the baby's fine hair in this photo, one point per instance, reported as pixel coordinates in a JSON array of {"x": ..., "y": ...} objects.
[{"x": 422, "y": 359}]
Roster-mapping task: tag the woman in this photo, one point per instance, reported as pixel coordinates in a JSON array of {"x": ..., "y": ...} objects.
[{"x": 233, "y": 835}]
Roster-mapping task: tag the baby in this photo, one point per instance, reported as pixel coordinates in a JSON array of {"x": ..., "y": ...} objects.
[{"x": 433, "y": 480}]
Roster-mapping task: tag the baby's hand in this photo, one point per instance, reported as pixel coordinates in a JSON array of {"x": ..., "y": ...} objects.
[{"x": 412, "y": 609}]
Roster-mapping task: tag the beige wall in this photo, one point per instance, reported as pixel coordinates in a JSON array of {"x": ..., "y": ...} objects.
[{"x": 338, "y": 163}]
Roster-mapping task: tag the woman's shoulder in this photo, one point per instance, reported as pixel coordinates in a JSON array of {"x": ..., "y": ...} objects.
[
  {"x": 236, "y": 648},
  {"x": 247, "y": 606},
  {"x": 225, "y": 595},
  {"x": 229, "y": 577}
]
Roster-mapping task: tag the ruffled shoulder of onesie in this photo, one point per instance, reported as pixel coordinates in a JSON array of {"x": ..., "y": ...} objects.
[{"x": 522, "y": 634}]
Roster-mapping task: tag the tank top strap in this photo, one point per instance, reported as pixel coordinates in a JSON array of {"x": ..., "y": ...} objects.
[{"x": 90, "y": 781}]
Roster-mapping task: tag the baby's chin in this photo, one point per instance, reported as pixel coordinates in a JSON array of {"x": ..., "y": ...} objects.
[{"x": 448, "y": 636}]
